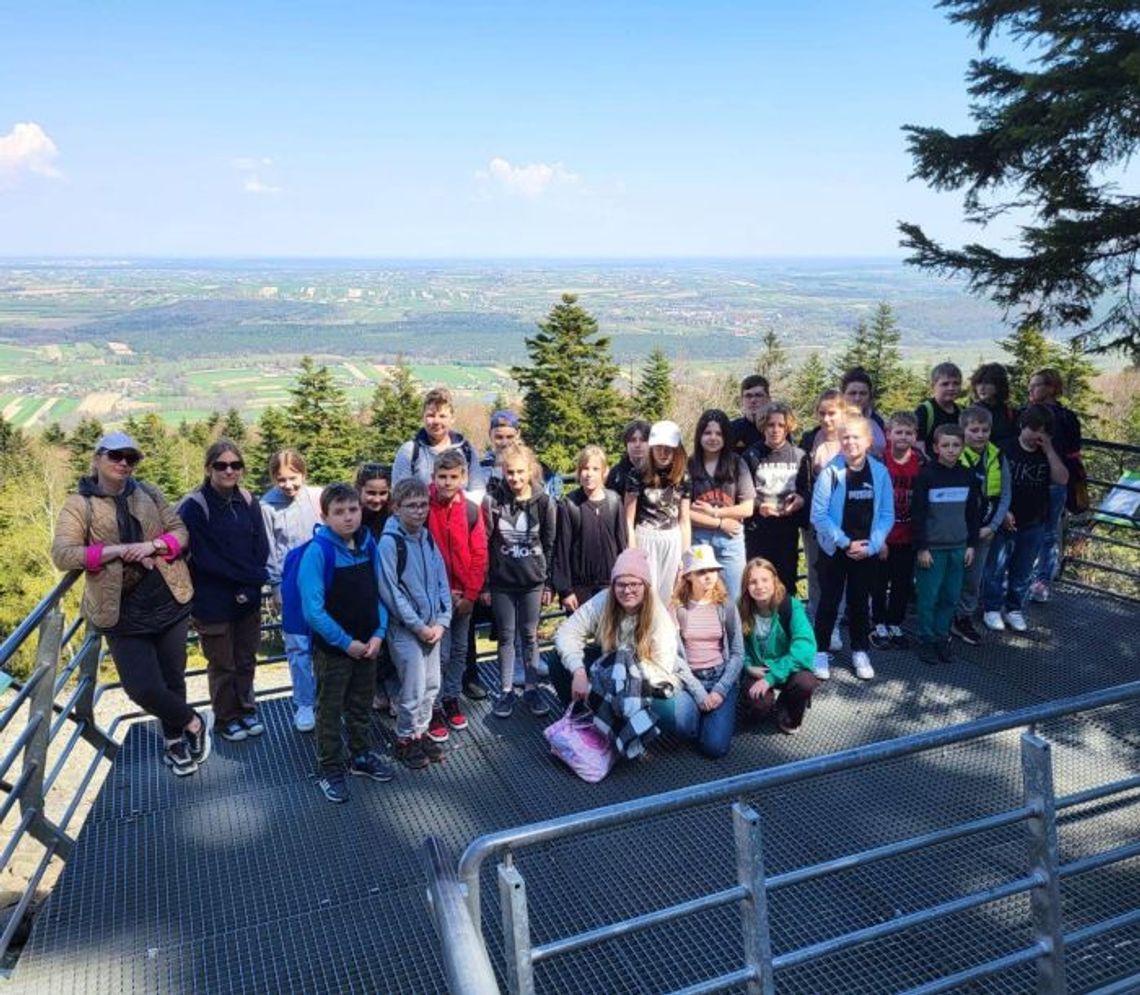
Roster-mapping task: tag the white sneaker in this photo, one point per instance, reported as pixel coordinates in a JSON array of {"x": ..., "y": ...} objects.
[
  {"x": 303, "y": 719},
  {"x": 1016, "y": 621},
  {"x": 822, "y": 666},
  {"x": 836, "y": 640},
  {"x": 862, "y": 664},
  {"x": 994, "y": 621}
]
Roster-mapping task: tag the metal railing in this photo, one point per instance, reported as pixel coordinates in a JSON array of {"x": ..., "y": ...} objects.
[
  {"x": 61, "y": 705},
  {"x": 1101, "y": 547},
  {"x": 1042, "y": 880}
]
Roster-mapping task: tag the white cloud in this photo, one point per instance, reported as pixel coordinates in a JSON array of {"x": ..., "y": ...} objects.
[
  {"x": 255, "y": 185},
  {"x": 251, "y": 167},
  {"x": 28, "y": 149},
  {"x": 250, "y": 164},
  {"x": 530, "y": 181}
]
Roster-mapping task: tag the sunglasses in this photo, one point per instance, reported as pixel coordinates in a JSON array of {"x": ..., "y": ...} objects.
[
  {"x": 128, "y": 456},
  {"x": 221, "y": 465}
]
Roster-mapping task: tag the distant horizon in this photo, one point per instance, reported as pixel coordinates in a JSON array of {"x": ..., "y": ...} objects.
[
  {"x": 129, "y": 258},
  {"x": 496, "y": 131}
]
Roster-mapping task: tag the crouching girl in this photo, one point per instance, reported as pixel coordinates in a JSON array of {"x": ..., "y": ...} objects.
[
  {"x": 779, "y": 648},
  {"x": 709, "y": 628},
  {"x": 629, "y": 616}
]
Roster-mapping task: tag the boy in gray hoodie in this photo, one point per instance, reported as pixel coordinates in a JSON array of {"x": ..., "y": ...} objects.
[{"x": 415, "y": 590}]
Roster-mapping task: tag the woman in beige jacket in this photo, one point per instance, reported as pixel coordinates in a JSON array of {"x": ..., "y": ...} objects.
[{"x": 130, "y": 542}]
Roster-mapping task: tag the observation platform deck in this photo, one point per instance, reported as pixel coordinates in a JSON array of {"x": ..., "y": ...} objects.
[{"x": 244, "y": 879}]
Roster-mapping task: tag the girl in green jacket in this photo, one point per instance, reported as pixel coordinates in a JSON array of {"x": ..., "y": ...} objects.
[{"x": 779, "y": 647}]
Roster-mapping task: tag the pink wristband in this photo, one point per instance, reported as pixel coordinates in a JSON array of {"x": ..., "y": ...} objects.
[
  {"x": 173, "y": 546},
  {"x": 94, "y": 558}
]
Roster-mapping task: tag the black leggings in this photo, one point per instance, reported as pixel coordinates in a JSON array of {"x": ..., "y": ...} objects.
[{"x": 153, "y": 671}]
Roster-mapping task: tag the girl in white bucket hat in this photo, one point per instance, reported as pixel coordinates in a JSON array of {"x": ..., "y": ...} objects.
[{"x": 657, "y": 506}]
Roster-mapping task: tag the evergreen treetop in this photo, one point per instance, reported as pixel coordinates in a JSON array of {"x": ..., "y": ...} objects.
[{"x": 653, "y": 396}]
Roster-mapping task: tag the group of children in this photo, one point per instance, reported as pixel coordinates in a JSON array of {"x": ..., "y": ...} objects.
[{"x": 945, "y": 506}]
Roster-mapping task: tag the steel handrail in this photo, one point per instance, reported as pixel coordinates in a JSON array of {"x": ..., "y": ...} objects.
[{"x": 754, "y": 782}]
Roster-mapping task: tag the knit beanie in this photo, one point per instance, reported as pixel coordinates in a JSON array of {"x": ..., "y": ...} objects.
[{"x": 632, "y": 563}]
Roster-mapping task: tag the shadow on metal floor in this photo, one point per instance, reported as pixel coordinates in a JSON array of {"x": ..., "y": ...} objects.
[{"x": 244, "y": 879}]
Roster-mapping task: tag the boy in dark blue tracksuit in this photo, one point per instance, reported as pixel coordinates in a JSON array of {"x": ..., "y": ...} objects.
[
  {"x": 945, "y": 513},
  {"x": 348, "y": 623}
]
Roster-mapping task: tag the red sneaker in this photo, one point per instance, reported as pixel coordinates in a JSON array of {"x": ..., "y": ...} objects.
[
  {"x": 437, "y": 728},
  {"x": 454, "y": 715}
]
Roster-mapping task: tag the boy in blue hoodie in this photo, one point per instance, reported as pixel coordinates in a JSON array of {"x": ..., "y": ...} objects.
[
  {"x": 416, "y": 591},
  {"x": 348, "y": 623}
]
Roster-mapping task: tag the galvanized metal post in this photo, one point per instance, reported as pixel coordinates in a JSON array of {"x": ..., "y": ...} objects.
[
  {"x": 40, "y": 712},
  {"x": 1044, "y": 901},
  {"x": 754, "y": 908},
  {"x": 516, "y": 930},
  {"x": 88, "y": 671}
]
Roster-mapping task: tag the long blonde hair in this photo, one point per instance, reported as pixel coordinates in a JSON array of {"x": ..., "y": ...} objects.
[{"x": 612, "y": 616}]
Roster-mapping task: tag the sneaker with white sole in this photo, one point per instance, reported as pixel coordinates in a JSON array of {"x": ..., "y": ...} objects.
[
  {"x": 304, "y": 720},
  {"x": 822, "y": 666},
  {"x": 200, "y": 743},
  {"x": 177, "y": 757},
  {"x": 993, "y": 621},
  {"x": 1016, "y": 621},
  {"x": 880, "y": 637},
  {"x": 861, "y": 662},
  {"x": 836, "y": 640}
]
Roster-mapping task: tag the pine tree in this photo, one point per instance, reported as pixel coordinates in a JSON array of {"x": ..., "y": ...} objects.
[
  {"x": 54, "y": 435},
  {"x": 1078, "y": 371},
  {"x": 81, "y": 446},
  {"x": 272, "y": 435},
  {"x": 394, "y": 413},
  {"x": 234, "y": 427},
  {"x": 1048, "y": 132},
  {"x": 874, "y": 346},
  {"x": 321, "y": 424},
  {"x": 1030, "y": 350},
  {"x": 653, "y": 397},
  {"x": 569, "y": 396},
  {"x": 772, "y": 362},
  {"x": 161, "y": 466},
  {"x": 809, "y": 382}
]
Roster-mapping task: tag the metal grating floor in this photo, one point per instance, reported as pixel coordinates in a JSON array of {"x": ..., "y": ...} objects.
[{"x": 243, "y": 879}]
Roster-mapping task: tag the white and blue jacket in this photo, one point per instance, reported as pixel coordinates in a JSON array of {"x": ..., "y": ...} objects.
[{"x": 830, "y": 495}]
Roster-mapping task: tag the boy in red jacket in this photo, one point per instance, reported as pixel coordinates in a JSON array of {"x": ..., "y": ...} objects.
[{"x": 457, "y": 528}]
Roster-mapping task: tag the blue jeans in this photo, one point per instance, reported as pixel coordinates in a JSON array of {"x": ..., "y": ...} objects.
[
  {"x": 729, "y": 553},
  {"x": 1012, "y": 553},
  {"x": 717, "y": 726},
  {"x": 453, "y": 657},
  {"x": 299, "y": 650},
  {"x": 1049, "y": 555}
]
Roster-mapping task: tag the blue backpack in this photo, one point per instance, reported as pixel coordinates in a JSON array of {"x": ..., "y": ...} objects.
[{"x": 292, "y": 616}]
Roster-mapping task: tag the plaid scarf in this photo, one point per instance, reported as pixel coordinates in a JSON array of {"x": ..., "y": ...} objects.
[{"x": 620, "y": 697}]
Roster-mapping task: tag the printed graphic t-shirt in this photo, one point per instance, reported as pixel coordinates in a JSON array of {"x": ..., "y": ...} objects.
[
  {"x": 1029, "y": 482},
  {"x": 859, "y": 507},
  {"x": 659, "y": 507}
]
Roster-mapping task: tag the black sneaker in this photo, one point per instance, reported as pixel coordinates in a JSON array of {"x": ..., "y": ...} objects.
[
  {"x": 537, "y": 704},
  {"x": 474, "y": 691},
  {"x": 504, "y": 705},
  {"x": 177, "y": 758},
  {"x": 410, "y": 753},
  {"x": 370, "y": 765},
  {"x": 928, "y": 652},
  {"x": 963, "y": 627},
  {"x": 899, "y": 639},
  {"x": 234, "y": 731},
  {"x": 201, "y": 742},
  {"x": 945, "y": 652},
  {"x": 253, "y": 725},
  {"x": 333, "y": 787},
  {"x": 880, "y": 638},
  {"x": 432, "y": 750}
]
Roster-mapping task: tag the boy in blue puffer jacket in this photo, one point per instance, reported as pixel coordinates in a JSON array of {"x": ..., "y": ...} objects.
[{"x": 343, "y": 609}]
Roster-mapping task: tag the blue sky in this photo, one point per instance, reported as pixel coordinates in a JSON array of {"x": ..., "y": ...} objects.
[{"x": 472, "y": 129}]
